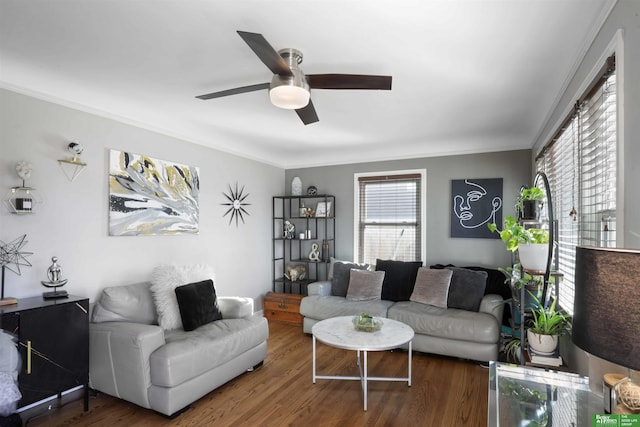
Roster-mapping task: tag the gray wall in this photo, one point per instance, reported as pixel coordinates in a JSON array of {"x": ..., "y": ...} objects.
[
  {"x": 72, "y": 223},
  {"x": 513, "y": 166}
]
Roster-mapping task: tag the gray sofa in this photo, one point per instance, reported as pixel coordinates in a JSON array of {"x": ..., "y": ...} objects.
[
  {"x": 445, "y": 331},
  {"x": 134, "y": 359}
]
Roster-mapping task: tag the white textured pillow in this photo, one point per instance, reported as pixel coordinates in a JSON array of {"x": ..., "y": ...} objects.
[{"x": 164, "y": 280}]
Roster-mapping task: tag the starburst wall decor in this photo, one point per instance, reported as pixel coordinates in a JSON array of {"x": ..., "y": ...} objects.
[{"x": 236, "y": 202}]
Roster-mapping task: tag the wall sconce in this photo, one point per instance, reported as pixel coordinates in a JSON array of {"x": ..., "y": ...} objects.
[
  {"x": 22, "y": 199},
  {"x": 74, "y": 166}
]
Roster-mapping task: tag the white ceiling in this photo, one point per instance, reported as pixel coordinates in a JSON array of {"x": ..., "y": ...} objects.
[{"x": 468, "y": 75}]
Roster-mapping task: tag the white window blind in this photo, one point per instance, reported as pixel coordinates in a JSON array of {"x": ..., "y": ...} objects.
[
  {"x": 598, "y": 167},
  {"x": 389, "y": 217},
  {"x": 580, "y": 164},
  {"x": 559, "y": 165}
]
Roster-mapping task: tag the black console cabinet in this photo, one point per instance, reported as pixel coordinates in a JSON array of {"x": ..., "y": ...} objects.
[{"x": 53, "y": 341}]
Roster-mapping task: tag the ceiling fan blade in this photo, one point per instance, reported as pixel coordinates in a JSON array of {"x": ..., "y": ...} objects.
[
  {"x": 307, "y": 114},
  {"x": 266, "y": 53},
  {"x": 235, "y": 91},
  {"x": 349, "y": 81}
]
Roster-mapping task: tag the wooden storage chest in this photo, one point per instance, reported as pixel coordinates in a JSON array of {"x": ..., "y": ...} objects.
[{"x": 283, "y": 308}]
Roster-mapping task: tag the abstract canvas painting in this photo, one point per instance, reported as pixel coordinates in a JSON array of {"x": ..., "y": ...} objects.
[
  {"x": 148, "y": 196},
  {"x": 474, "y": 204}
]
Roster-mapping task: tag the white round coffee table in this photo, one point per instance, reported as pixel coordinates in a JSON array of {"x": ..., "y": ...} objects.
[{"x": 339, "y": 332}]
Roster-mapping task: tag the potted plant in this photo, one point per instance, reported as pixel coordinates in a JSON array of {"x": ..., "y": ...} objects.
[
  {"x": 529, "y": 202},
  {"x": 512, "y": 350},
  {"x": 546, "y": 326},
  {"x": 518, "y": 279},
  {"x": 531, "y": 243}
]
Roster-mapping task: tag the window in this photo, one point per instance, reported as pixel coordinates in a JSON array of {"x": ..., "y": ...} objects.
[
  {"x": 580, "y": 163},
  {"x": 389, "y": 216}
]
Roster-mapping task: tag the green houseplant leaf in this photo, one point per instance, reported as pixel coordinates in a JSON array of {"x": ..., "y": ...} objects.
[
  {"x": 527, "y": 194},
  {"x": 533, "y": 193},
  {"x": 548, "y": 321},
  {"x": 514, "y": 234}
]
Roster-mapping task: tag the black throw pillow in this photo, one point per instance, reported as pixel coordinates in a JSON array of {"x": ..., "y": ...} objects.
[
  {"x": 466, "y": 289},
  {"x": 496, "y": 285},
  {"x": 399, "y": 278},
  {"x": 341, "y": 276},
  {"x": 198, "y": 304}
]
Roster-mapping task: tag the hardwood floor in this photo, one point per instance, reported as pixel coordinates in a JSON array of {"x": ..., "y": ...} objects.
[{"x": 444, "y": 392}]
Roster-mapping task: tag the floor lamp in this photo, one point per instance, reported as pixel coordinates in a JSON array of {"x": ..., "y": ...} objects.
[{"x": 606, "y": 322}]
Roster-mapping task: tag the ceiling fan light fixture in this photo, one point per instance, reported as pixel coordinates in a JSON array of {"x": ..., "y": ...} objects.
[
  {"x": 290, "y": 93},
  {"x": 289, "y": 97},
  {"x": 290, "y": 88}
]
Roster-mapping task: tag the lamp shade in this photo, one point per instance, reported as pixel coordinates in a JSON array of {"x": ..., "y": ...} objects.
[
  {"x": 289, "y": 97},
  {"x": 290, "y": 92},
  {"x": 606, "y": 322}
]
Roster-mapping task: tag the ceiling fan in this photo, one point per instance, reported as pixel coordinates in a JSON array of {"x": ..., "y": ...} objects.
[{"x": 289, "y": 88}]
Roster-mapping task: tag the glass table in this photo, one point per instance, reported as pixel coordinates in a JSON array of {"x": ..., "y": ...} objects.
[{"x": 526, "y": 396}]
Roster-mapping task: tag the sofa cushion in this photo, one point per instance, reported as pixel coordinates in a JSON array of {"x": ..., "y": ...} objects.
[
  {"x": 235, "y": 307},
  {"x": 496, "y": 285},
  {"x": 130, "y": 303},
  {"x": 165, "y": 279},
  {"x": 365, "y": 285},
  {"x": 342, "y": 275},
  {"x": 466, "y": 289},
  {"x": 399, "y": 278},
  {"x": 189, "y": 354},
  {"x": 449, "y": 323},
  {"x": 197, "y": 303},
  {"x": 332, "y": 262},
  {"x": 320, "y": 307},
  {"x": 432, "y": 287}
]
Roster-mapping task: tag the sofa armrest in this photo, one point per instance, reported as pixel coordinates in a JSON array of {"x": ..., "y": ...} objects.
[
  {"x": 494, "y": 305},
  {"x": 119, "y": 358},
  {"x": 235, "y": 307},
  {"x": 322, "y": 288}
]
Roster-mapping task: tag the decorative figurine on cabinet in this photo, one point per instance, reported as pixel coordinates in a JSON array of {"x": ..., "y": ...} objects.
[
  {"x": 289, "y": 230},
  {"x": 314, "y": 255},
  {"x": 54, "y": 274}
]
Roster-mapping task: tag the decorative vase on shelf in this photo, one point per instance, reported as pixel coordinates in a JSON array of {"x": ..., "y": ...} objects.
[
  {"x": 296, "y": 186},
  {"x": 325, "y": 251},
  {"x": 533, "y": 257}
]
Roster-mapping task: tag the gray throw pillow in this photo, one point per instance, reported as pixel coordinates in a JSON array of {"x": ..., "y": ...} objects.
[
  {"x": 432, "y": 287},
  {"x": 341, "y": 277},
  {"x": 333, "y": 261},
  {"x": 466, "y": 289},
  {"x": 365, "y": 285}
]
